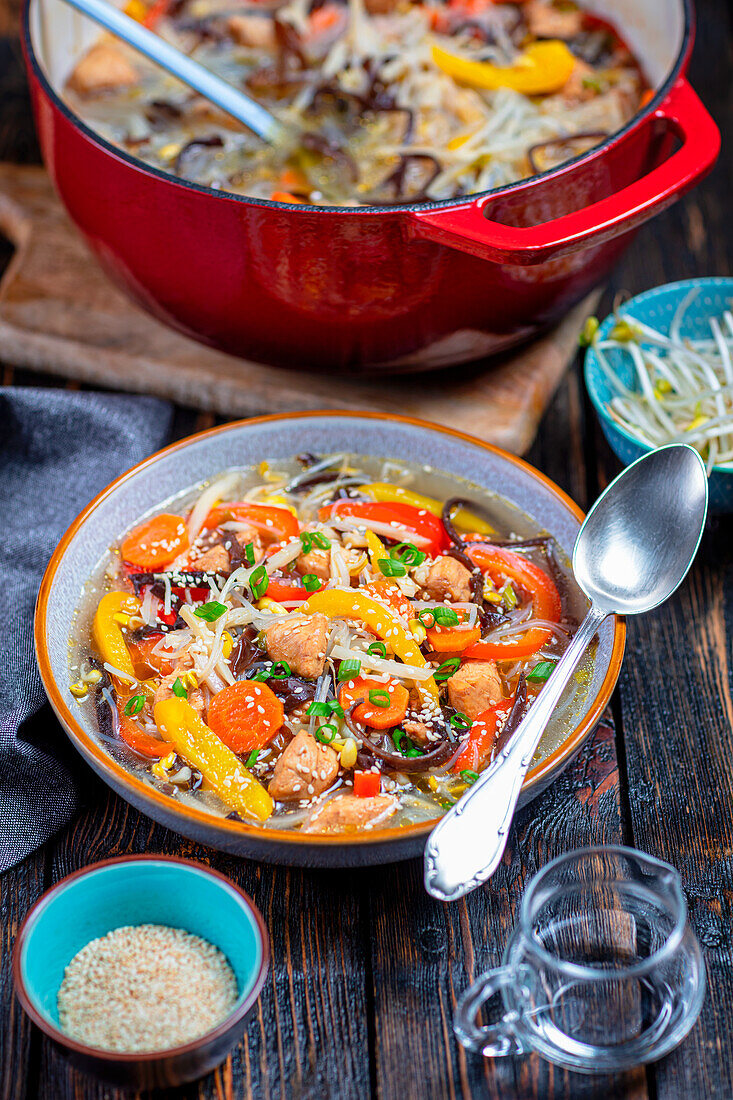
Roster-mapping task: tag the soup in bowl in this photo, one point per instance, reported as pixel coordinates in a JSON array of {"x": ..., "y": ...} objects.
[{"x": 301, "y": 635}]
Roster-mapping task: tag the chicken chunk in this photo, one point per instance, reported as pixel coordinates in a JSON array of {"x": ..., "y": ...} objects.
[
  {"x": 316, "y": 562},
  {"x": 581, "y": 84},
  {"x": 165, "y": 691},
  {"x": 548, "y": 20},
  {"x": 103, "y": 68},
  {"x": 257, "y": 31},
  {"x": 301, "y": 643},
  {"x": 215, "y": 560},
  {"x": 420, "y": 732},
  {"x": 475, "y": 687},
  {"x": 305, "y": 770},
  {"x": 447, "y": 577},
  {"x": 348, "y": 814}
]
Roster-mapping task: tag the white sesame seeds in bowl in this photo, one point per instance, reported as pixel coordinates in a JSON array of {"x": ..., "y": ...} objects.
[{"x": 142, "y": 970}]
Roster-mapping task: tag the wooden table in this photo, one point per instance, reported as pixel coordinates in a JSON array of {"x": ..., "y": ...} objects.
[{"x": 366, "y": 968}]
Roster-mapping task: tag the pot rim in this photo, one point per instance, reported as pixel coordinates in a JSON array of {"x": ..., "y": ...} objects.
[
  {"x": 301, "y": 209},
  {"x": 236, "y": 1016},
  {"x": 537, "y": 777}
]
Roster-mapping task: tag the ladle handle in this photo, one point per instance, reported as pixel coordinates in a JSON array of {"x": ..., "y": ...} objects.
[
  {"x": 218, "y": 91},
  {"x": 466, "y": 846}
]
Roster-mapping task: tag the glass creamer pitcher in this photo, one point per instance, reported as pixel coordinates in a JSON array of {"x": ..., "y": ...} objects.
[{"x": 602, "y": 972}]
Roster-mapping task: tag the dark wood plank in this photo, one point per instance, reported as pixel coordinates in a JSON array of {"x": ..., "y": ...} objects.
[
  {"x": 20, "y": 887},
  {"x": 308, "y": 1038}
]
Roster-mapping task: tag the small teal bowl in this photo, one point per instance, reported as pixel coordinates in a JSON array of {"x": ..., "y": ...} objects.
[
  {"x": 656, "y": 308},
  {"x": 140, "y": 890}
]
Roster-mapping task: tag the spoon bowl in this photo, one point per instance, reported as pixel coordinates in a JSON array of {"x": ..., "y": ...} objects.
[
  {"x": 634, "y": 549},
  {"x": 641, "y": 535}
]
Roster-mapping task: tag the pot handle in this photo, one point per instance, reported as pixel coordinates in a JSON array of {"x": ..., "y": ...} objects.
[{"x": 469, "y": 229}]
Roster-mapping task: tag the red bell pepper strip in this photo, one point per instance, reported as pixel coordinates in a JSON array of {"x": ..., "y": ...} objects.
[
  {"x": 156, "y": 13},
  {"x": 482, "y": 735},
  {"x": 284, "y": 591},
  {"x": 499, "y": 563},
  {"x": 367, "y": 784},
  {"x": 278, "y": 524},
  {"x": 423, "y": 523}
]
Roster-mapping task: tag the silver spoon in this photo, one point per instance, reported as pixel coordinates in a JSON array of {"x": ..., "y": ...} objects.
[
  {"x": 633, "y": 550},
  {"x": 189, "y": 72}
]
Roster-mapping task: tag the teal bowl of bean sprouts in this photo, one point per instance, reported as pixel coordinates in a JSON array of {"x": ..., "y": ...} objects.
[{"x": 660, "y": 370}]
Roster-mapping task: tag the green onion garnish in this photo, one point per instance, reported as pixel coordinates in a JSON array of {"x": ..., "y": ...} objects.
[
  {"x": 509, "y": 597},
  {"x": 178, "y": 688},
  {"x": 135, "y": 705},
  {"x": 210, "y": 611},
  {"x": 258, "y": 581},
  {"x": 249, "y": 553},
  {"x": 280, "y": 671},
  {"x": 398, "y": 736},
  {"x": 311, "y": 583},
  {"x": 348, "y": 669},
  {"x": 306, "y": 541},
  {"x": 325, "y": 710},
  {"x": 335, "y": 708},
  {"x": 407, "y": 554},
  {"x": 262, "y": 674},
  {"x": 252, "y": 758},
  {"x": 412, "y": 751},
  {"x": 426, "y": 617},
  {"x": 447, "y": 669},
  {"x": 377, "y": 649},
  {"x": 320, "y": 540},
  {"x": 469, "y": 776},
  {"x": 379, "y": 699},
  {"x": 460, "y": 721},
  {"x": 391, "y": 568},
  {"x": 326, "y": 733},
  {"x": 445, "y": 616},
  {"x": 540, "y": 672}
]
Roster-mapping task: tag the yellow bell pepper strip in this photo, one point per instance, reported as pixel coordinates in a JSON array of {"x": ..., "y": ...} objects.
[
  {"x": 377, "y": 549},
  {"x": 195, "y": 742},
  {"x": 107, "y": 630},
  {"x": 542, "y": 68},
  {"x": 338, "y": 603},
  {"x": 462, "y": 519}
]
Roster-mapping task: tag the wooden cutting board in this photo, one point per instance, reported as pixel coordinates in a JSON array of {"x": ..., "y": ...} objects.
[{"x": 60, "y": 314}]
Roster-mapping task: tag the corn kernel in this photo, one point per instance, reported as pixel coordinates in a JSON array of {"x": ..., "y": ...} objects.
[
  {"x": 227, "y": 644},
  {"x": 490, "y": 592},
  {"x": 136, "y": 10},
  {"x": 348, "y": 753},
  {"x": 169, "y": 151},
  {"x": 418, "y": 631},
  {"x": 266, "y": 604},
  {"x": 161, "y": 767},
  {"x": 189, "y": 680},
  {"x": 79, "y": 689},
  {"x": 92, "y": 677},
  {"x": 121, "y": 618}
]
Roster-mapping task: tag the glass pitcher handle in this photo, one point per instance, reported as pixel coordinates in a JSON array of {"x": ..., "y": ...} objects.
[{"x": 492, "y": 1040}]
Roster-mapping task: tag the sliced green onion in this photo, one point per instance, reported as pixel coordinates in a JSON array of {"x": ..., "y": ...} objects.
[
  {"x": 335, "y": 708},
  {"x": 445, "y": 616},
  {"x": 280, "y": 671},
  {"x": 178, "y": 688},
  {"x": 447, "y": 669},
  {"x": 407, "y": 554},
  {"x": 321, "y": 541},
  {"x": 540, "y": 672},
  {"x": 468, "y": 776},
  {"x": 252, "y": 758},
  {"x": 377, "y": 649},
  {"x": 412, "y": 751},
  {"x": 249, "y": 553},
  {"x": 590, "y": 328},
  {"x": 135, "y": 705},
  {"x": 262, "y": 674},
  {"x": 306, "y": 541},
  {"x": 210, "y": 611},
  {"x": 348, "y": 669},
  {"x": 379, "y": 699},
  {"x": 311, "y": 583},
  {"x": 258, "y": 581},
  {"x": 321, "y": 710},
  {"x": 398, "y": 736},
  {"x": 509, "y": 597},
  {"x": 460, "y": 721},
  {"x": 391, "y": 568},
  {"x": 326, "y": 733},
  {"x": 426, "y": 617}
]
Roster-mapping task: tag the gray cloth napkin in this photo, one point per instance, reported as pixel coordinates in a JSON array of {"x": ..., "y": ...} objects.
[{"x": 57, "y": 450}]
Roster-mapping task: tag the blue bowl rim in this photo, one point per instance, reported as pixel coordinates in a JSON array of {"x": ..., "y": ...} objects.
[
  {"x": 238, "y": 1014},
  {"x": 590, "y": 362}
]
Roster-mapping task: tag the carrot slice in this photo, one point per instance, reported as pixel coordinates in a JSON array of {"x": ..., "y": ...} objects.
[
  {"x": 367, "y": 784},
  {"x": 156, "y": 543},
  {"x": 142, "y": 742},
  {"x": 285, "y": 196},
  {"x": 374, "y": 693},
  {"x": 245, "y": 715},
  {"x": 446, "y": 639}
]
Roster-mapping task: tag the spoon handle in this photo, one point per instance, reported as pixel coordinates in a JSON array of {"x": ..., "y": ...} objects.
[
  {"x": 466, "y": 846},
  {"x": 218, "y": 91}
]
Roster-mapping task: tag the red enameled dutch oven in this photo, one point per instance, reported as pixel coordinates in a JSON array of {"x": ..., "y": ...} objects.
[{"x": 371, "y": 289}]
